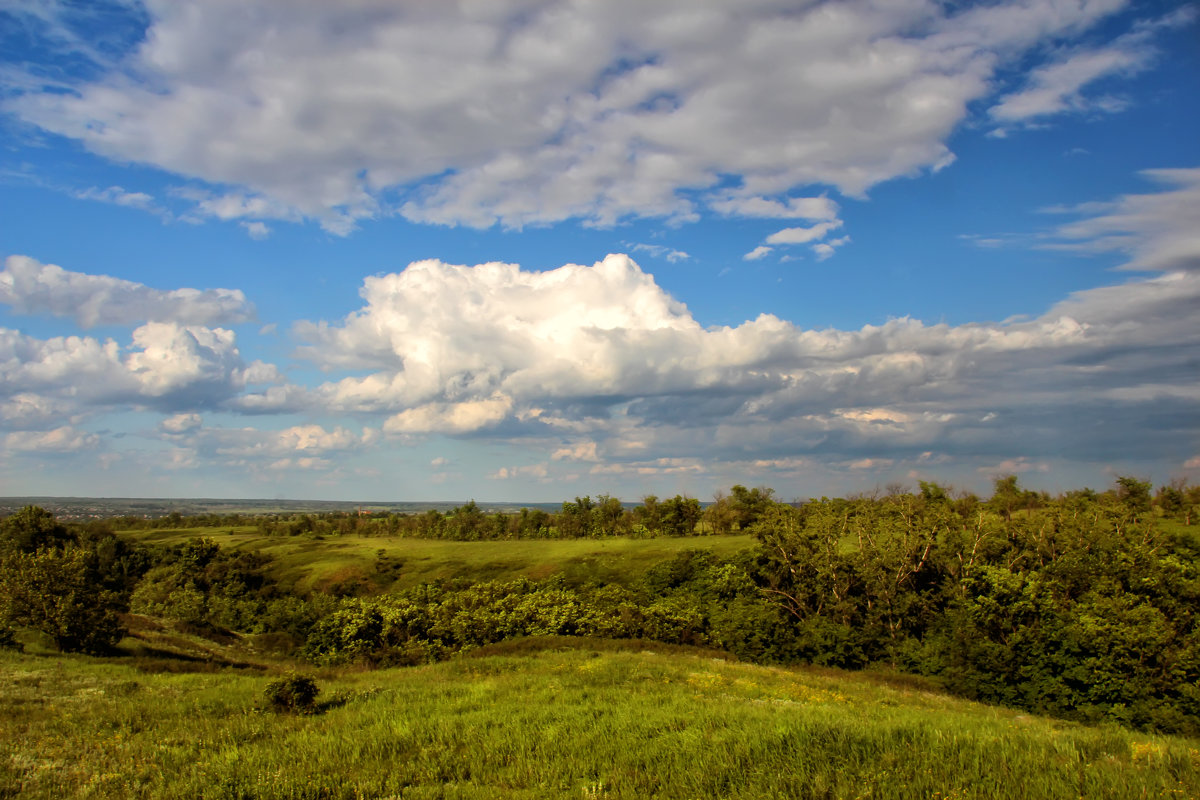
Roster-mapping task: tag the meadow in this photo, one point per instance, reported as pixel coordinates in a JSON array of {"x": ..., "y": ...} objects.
[
  {"x": 549, "y": 718},
  {"x": 303, "y": 563}
]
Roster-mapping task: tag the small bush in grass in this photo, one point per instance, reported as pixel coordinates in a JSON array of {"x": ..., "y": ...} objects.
[{"x": 295, "y": 694}]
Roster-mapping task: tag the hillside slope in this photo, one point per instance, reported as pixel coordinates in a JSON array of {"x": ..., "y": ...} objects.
[{"x": 548, "y": 718}]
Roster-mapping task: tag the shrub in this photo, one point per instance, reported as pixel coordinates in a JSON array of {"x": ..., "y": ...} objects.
[
  {"x": 8, "y": 639},
  {"x": 293, "y": 694}
]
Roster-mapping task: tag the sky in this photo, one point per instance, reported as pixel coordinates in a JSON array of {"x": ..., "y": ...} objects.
[{"x": 527, "y": 250}]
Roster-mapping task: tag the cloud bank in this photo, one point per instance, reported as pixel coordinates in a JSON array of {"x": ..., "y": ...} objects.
[
  {"x": 599, "y": 369},
  {"x": 521, "y": 113}
]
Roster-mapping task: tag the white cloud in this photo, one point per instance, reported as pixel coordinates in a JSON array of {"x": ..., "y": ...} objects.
[
  {"x": 759, "y": 252},
  {"x": 1157, "y": 232},
  {"x": 31, "y": 287},
  {"x": 465, "y": 416},
  {"x": 170, "y": 367},
  {"x": 28, "y": 411},
  {"x": 170, "y": 356},
  {"x": 1056, "y": 88},
  {"x": 803, "y": 235},
  {"x": 826, "y": 249},
  {"x": 659, "y": 251},
  {"x": 816, "y": 208},
  {"x": 60, "y": 440},
  {"x": 604, "y": 355},
  {"x": 117, "y": 195},
  {"x": 296, "y": 442},
  {"x": 305, "y": 462},
  {"x": 599, "y": 364},
  {"x": 256, "y": 230},
  {"x": 658, "y": 466},
  {"x": 870, "y": 463},
  {"x": 531, "y": 113},
  {"x": 181, "y": 423},
  {"x": 581, "y": 451},
  {"x": 538, "y": 471},
  {"x": 1013, "y": 466}
]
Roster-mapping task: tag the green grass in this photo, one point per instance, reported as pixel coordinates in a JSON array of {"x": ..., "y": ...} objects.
[
  {"x": 304, "y": 563},
  {"x": 569, "y": 722}
]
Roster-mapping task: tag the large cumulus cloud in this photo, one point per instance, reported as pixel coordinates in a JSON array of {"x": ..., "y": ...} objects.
[
  {"x": 528, "y": 111},
  {"x": 639, "y": 373},
  {"x": 602, "y": 358}
]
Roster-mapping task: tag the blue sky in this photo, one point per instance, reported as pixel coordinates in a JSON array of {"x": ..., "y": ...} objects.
[{"x": 532, "y": 249}]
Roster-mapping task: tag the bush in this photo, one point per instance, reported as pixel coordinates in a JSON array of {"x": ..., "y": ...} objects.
[
  {"x": 293, "y": 694},
  {"x": 8, "y": 639}
]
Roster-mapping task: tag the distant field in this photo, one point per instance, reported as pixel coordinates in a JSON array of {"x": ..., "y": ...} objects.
[
  {"x": 306, "y": 563},
  {"x": 568, "y": 722}
]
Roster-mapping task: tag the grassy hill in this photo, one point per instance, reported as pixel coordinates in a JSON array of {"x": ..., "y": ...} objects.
[
  {"x": 304, "y": 563},
  {"x": 543, "y": 718}
]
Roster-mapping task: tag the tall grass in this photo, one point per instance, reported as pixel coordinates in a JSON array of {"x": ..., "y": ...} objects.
[{"x": 553, "y": 723}]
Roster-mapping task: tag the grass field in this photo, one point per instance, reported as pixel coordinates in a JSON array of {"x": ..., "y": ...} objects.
[
  {"x": 551, "y": 719},
  {"x": 306, "y": 563}
]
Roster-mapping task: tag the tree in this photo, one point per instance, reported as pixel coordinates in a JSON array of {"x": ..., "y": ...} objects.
[
  {"x": 575, "y": 521},
  {"x": 680, "y": 515},
  {"x": 1134, "y": 494},
  {"x": 719, "y": 514},
  {"x": 32, "y": 528},
  {"x": 750, "y": 504},
  {"x": 57, "y": 593}
]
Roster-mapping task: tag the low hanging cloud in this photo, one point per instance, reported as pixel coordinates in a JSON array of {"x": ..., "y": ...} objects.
[
  {"x": 517, "y": 113},
  {"x": 31, "y": 287}
]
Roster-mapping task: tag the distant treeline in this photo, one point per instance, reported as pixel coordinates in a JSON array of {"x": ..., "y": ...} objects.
[
  {"x": 1085, "y": 605},
  {"x": 584, "y": 517},
  {"x": 606, "y": 516}
]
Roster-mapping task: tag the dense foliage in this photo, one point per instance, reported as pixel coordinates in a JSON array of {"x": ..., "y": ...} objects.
[
  {"x": 1084, "y": 606},
  {"x": 66, "y": 584},
  {"x": 1081, "y": 607}
]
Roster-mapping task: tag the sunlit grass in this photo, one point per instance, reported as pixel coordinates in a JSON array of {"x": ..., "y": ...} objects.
[
  {"x": 306, "y": 563},
  {"x": 553, "y": 723}
]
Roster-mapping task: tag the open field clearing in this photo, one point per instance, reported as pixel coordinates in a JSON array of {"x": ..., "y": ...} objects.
[
  {"x": 305, "y": 563},
  {"x": 556, "y": 718}
]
